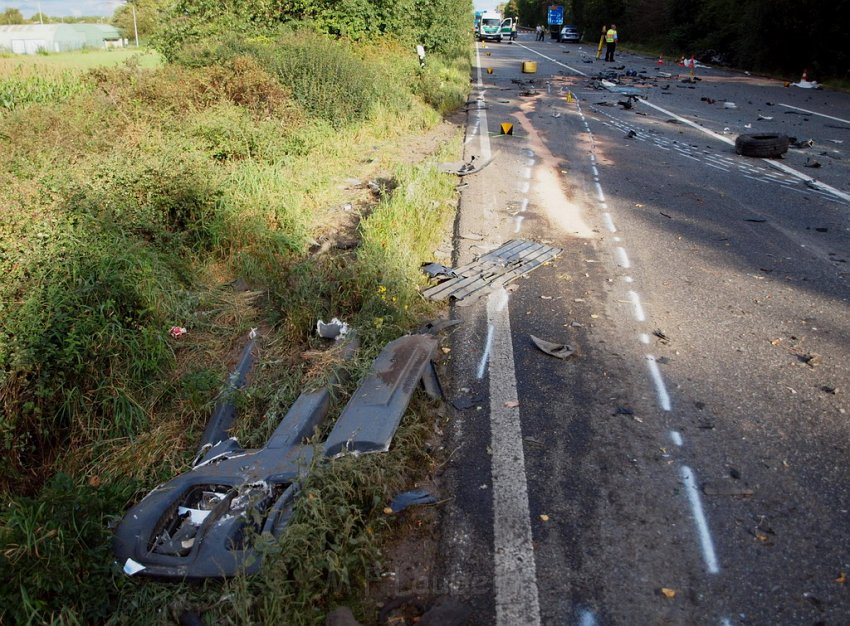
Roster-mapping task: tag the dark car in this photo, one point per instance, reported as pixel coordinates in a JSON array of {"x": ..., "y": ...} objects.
[{"x": 569, "y": 34}]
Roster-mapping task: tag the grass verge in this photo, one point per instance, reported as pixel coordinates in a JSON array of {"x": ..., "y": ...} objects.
[{"x": 211, "y": 198}]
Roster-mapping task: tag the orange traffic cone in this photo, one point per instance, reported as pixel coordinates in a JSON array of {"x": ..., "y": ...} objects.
[{"x": 660, "y": 61}]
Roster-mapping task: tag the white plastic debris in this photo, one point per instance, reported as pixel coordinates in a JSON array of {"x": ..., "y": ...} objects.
[
  {"x": 197, "y": 516},
  {"x": 177, "y": 331},
  {"x": 131, "y": 567},
  {"x": 730, "y": 105},
  {"x": 807, "y": 84},
  {"x": 335, "y": 329}
]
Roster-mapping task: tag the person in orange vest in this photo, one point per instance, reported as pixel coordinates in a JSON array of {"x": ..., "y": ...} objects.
[{"x": 610, "y": 42}]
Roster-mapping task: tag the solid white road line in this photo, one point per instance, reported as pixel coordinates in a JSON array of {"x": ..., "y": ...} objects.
[
  {"x": 829, "y": 117},
  {"x": 517, "y": 601},
  {"x": 706, "y": 542}
]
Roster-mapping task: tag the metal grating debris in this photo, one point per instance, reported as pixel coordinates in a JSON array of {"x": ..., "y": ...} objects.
[{"x": 494, "y": 269}]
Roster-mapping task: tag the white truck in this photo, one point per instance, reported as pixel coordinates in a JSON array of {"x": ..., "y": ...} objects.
[{"x": 492, "y": 27}]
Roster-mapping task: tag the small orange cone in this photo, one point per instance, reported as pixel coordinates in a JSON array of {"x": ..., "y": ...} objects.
[{"x": 660, "y": 61}]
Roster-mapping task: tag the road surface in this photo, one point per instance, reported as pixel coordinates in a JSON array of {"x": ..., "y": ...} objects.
[{"x": 689, "y": 464}]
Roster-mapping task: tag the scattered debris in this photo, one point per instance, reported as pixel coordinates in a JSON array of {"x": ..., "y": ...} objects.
[
  {"x": 730, "y": 105},
  {"x": 335, "y": 329},
  {"x": 411, "y": 498},
  {"x": 667, "y": 592},
  {"x": 660, "y": 334},
  {"x": 435, "y": 327},
  {"x": 186, "y": 528},
  {"x": 177, "y": 331},
  {"x": 812, "y": 360},
  {"x": 794, "y": 143},
  {"x": 557, "y": 350},
  {"x": 467, "y": 402},
  {"x": 624, "y": 410},
  {"x": 810, "y": 162},
  {"x": 708, "y": 100},
  {"x": 473, "y": 166},
  {"x": 437, "y": 270},
  {"x": 755, "y": 220},
  {"x": 828, "y": 389},
  {"x": 631, "y": 134},
  {"x": 766, "y": 118},
  {"x": 492, "y": 270}
]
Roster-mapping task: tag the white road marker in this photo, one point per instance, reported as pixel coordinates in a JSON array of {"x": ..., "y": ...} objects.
[
  {"x": 692, "y": 489},
  {"x": 829, "y": 117},
  {"x": 644, "y": 338},
  {"x": 488, "y": 344},
  {"x": 624, "y": 258},
  {"x": 587, "y": 618},
  {"x": 515, "y": 575},
  {"x": 639, "y": 314},
  {"x": 660, "y": 387},
  {"x": 609, "y": 223},
  {"x": 676, "y": 438},
  {"x": 599, "y": 193}
]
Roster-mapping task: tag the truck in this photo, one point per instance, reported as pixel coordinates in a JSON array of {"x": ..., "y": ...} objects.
[{"x": 492, "y": 27}]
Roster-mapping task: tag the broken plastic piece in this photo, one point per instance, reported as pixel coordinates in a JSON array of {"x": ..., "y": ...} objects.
[
  {"x": 131, "y": 567},
  {"x": 335, "y": 329},
  {"x": 437, "y": 270},
  {"x": 558, "y": 350},
  {"x": 177, "y": 331},
  {"x": 411, "y": 498},
  {"x": 492, "y": 270},
  {"x": 225, "y": 411},
  {"x": 370, "y": 419}
]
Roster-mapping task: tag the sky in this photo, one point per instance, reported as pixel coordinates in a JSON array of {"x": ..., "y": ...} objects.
[{"x": 61, "y": 8}]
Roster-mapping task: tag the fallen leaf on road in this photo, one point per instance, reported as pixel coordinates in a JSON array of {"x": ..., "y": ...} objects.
[
  {"x": 544, "y": 517},
  {"x": 511, "y": 404},
  {"x": 668, "y": 593},
  {"x": 842, "y": 578}
]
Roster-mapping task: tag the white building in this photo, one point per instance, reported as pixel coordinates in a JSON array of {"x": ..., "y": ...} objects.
[{"x": 30, "y": 38}]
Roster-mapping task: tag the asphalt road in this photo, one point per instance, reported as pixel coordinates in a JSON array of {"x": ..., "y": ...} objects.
[{"x": 688, "y": 464}]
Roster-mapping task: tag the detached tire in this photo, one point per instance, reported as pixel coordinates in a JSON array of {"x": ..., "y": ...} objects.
[{"x": 762, "y": 146}]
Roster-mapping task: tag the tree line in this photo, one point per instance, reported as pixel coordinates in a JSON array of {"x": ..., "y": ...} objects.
[{"x": 775, "y": 36}]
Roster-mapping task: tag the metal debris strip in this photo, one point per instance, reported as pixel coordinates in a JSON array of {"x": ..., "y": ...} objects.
[{"x": 494, "y": 269}]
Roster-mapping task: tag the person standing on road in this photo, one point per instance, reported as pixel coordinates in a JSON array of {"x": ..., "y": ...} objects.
[
  {"x": 611, "y": 42},
  {"x": 539, "y": 32},
  {"x": 513, "y": 29}
]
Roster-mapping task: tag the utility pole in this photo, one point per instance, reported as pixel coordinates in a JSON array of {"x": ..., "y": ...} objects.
[
  {"x": 135, "y": 25},
  {"x": 40, "y": 14}
]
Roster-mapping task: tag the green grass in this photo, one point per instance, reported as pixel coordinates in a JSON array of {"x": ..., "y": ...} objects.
[
  {"x": 128, "y": 207},
  {"x": 82, "y": 59}
]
